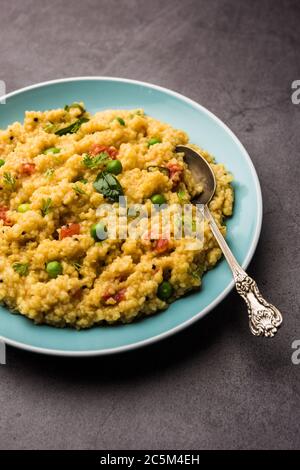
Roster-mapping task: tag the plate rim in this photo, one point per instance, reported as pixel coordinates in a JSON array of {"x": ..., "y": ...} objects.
[{"x": 224, "y": 293}]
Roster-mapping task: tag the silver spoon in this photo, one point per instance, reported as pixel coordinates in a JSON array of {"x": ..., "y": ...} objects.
[{"x": 264, "y": 318}]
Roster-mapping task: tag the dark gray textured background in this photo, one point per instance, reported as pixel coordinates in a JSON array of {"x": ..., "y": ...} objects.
[{"x": 214, "y": 385}]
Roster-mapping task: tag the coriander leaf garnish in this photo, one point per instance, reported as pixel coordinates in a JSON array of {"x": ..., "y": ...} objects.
[
  {"x": 92, "y": 162},
  {"x": 46, "y": 206},
  {"x": 77, "y": 265},
  {"x": 78, "y": 190},
  {"x": 198, "y": 272},
  {"x": 108, "y": 185},
  {"x": 21, "y": 268},
  {"x": 9, "y": 180},
  {"x": 154, "y": 141},
  {"x": 181, "y": 195},
  {"x": 162, "y": 169},
  {"x": 49, "y": 172},
  {"x": 74, "y": 105},
  {"x": 72, "y": 128},
  {"x": 120, "y": 121},
  {"x": 51, "y": 150},
  {"x": 50, "y": 127}
]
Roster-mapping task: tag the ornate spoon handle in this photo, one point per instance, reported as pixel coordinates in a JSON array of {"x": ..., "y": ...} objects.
[{"x": 264, "y": 318}]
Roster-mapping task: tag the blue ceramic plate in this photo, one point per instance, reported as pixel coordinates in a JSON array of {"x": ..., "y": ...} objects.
[{"x": 204, "y": 129}]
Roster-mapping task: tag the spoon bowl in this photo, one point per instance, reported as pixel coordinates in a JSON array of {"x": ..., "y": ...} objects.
[
  {"x": 264, "y": 318},
  {"x": 202, "y": 173}
]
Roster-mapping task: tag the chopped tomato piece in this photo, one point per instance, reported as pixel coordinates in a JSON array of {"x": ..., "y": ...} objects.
[
  {"x": 77, "y": 294},
  {"x": 97, "y": 148},
  {"x": 161, "y": 245},
  {"x": 112, "y": 152},
  {"x": 27, "y": 169},
  {"x": 106, "y": 296},
  {"x": 176, "y": 172},
  {"x": 120, "y": 295},
  {"x": 69, "y": 230},
  {"x": 4, "y": 217}
]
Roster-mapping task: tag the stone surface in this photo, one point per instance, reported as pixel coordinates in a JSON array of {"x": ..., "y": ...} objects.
[{"x": 214, "y": 385}]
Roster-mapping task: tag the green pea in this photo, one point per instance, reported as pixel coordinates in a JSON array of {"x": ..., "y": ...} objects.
[
  {"x": 23, "y": 208},
  {"x": 98, "y": 232},
  {"x": 54, "y": 269},
  {"x": 158, "y": 199},
  {"x": 51, "y": 150},
  {"x": 153, "y": 141},
  {"x": 114, "y": 166},
  {"x": 164, "y": 291},
  {"x": 2, "y": 162}
]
